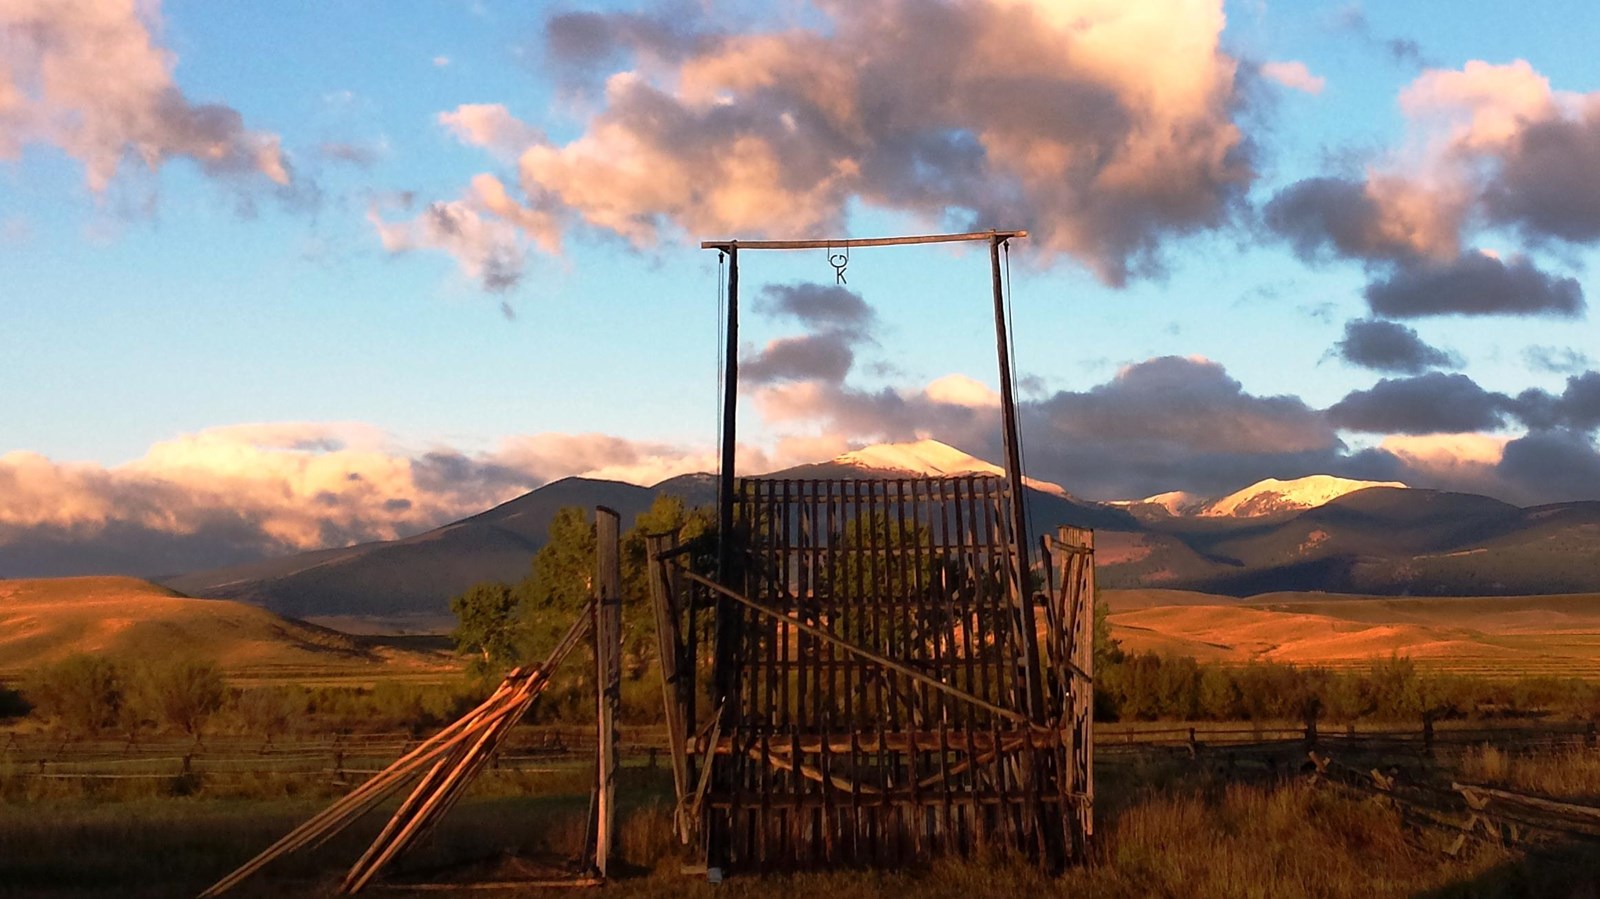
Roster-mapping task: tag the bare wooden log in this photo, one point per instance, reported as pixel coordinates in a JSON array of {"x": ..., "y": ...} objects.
[
  {"x": 849, "y": 242},
  {"x": 505, "y": 701}
]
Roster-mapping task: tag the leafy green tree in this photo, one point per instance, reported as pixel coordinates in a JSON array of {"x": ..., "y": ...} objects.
[
  {"x": 487, "y": 625},
  {"x": 905, "y": 561},
  {"x": 1107, "y": 649}
]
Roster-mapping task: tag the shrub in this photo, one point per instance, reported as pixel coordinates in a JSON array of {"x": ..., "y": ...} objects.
[
  {"x": 84, "y": 693},
  {"x": 13, "y": 704},
  {"x": 180, "y": 693}
]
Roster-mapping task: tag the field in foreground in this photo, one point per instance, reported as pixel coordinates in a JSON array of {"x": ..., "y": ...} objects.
[
  {"x": 1500, "y": 636},
  {"x": 45, "y": 620},
  {"x": 1194, "y": 837}
]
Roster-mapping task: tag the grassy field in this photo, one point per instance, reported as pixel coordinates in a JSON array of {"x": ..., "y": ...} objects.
[
  {"x": 1498, "y": 636},
  {"x": 45, "y": 620},
  {"x": 1162, "y": 832}
]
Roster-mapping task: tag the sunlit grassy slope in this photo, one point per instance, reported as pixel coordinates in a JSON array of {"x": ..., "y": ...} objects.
[
  {"x": 1511, "y": 636},
  {"x": 45, "y": 620}
]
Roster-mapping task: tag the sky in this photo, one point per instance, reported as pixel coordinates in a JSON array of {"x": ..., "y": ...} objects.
[{"x": 282, "y": 276}]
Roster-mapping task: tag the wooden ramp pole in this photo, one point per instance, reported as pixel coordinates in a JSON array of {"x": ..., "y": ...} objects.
[{"x": 507, "y": 702}]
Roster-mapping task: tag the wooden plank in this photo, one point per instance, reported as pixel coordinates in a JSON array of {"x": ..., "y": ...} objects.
[
  {"x": 842, "y": 243},
  {"x": 608, "y": 677},
  {"x": 860, "y": 652},
  {"x": 669, "y": 655}
]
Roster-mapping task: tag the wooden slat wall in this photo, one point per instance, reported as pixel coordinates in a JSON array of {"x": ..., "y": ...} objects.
[{"x": 827, "y": 758}]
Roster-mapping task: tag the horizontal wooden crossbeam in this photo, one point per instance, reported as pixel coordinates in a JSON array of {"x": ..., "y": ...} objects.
[{"x": 843, "y": 243}]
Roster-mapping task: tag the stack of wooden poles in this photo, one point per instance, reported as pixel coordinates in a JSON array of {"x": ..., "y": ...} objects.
[{"x": 456, "y": 753}]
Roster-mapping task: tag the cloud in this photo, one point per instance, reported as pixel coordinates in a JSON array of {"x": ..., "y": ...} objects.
[
  {"x": 1381, "y": 219},
  {"x": 837, "y": 320},
  {"x": 1557, "y": 360},
  {"x": 1386, "y": 346},
  {"x": 1548, "y": 183},
  {"x": 1485, "y": 145},
  {"x": 1294, "y": 74},
  {"x": 360, "y": 155},
  {"x": 1427, "y": 404},
  {"x": 1105, "y": 128},
  {"x": 824, "y": 357},
  {"x": 1163, "y": 423},
  {"x": 491, "y": 126},
  {"x": 1403, "y": 50},
  {"x": 1475, "y": 284},
  {"x": 816, "y": 305},
  {"x": 488, "y": 249},
  {"x": 1552, "y": 466},
  {"x": 87, "y": 77},
  {"x": 231, "y": 494},
  {"x": 1577, "y": 407}
]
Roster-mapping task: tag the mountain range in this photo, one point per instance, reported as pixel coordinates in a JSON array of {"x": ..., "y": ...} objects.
[{"x": 1318, "y": 533}]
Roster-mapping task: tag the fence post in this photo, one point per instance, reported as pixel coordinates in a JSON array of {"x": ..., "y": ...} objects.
[
  {"x": 1427, "y": 733},
  {"x": 1589, "y": 735}
]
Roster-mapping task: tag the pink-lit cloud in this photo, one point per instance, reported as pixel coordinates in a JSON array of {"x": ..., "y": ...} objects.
[
  {"x": 1293, "y": 73},
  {"x": 90, "y": 78},
  {"x": 1104, "y": 127}
]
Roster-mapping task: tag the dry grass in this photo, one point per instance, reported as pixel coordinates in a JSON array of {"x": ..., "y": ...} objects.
[
  {"x": 1544, "y": 635},
  {"x": 1568, "y": 773},
  {"x": 1235, "y": 841},
  {"x": 44, "y": 620}
]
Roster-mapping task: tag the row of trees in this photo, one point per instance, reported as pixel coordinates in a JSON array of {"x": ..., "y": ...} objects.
[{"x": 1149, "y": 687}]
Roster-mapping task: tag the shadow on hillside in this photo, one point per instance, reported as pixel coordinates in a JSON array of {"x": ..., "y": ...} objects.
[{"x": 1566, "y": 871}]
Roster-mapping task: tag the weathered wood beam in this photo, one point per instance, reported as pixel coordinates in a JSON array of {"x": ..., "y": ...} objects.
[
  {"x": 608, "y": 677},
  {"x": 848, "y": 242}
]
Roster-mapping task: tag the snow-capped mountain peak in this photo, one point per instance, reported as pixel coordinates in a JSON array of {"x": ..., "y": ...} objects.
[
  {"x": 930, "y": 458},
  {"x": 1176, "y": 502},
  {"x": 1272, "y": 495}
]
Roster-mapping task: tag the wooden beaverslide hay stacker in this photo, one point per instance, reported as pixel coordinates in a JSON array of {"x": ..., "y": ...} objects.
[
  {"x": 868, "y": 675},
  {"x": 860, "y": 671}
]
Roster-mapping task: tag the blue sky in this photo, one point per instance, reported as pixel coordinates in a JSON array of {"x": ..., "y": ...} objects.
[{"x": 148, "y": 318}]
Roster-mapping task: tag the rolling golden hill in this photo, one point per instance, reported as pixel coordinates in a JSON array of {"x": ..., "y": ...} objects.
[
  {"x": 1509, "y": 636},
  {"x": 44, "y": 620}
]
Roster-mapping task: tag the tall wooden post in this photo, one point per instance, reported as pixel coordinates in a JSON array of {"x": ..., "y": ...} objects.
[
  {"x": 730, "y": 418},
  {"x": 1019, "y": 518},
  {"x": 608, "y": 676},
  {"x": 669, "y": 654}
]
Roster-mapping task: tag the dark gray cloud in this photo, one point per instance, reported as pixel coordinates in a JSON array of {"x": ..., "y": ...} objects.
[
  {"x": 1576, "y": 408},
  {"x": 1390, "y": 347},
  {"x": 1552, "y": 466},
  {"x": 837, "y": 320},
  {"x": 1548, "y": 180},
  {"x": 816, "y": 305},
  {"x": 814, "y": 357},
  {"x": 1475, "y": 284},
  {"x": 1332, "y": 217},
  {"x": 1167, "y": 423},
  {"x": 1434, "y": 403}
]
